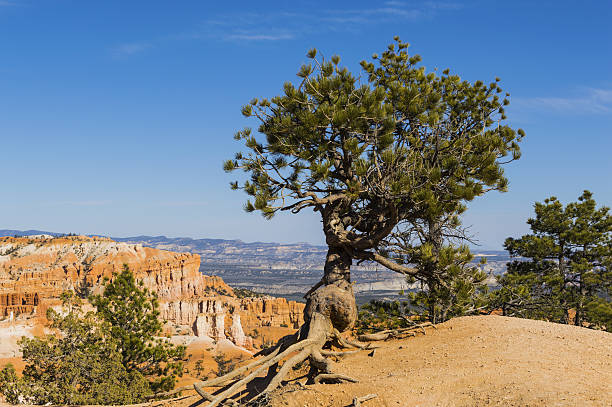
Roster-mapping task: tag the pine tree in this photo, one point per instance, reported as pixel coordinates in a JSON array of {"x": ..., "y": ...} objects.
[
  {"x": 80, "y": 365},
  {"x": 450, "y": 283},
  {"x": 563, "y": 266},
  {"x": 133, "y": 314},
  {"x": 367, "y": 157}
]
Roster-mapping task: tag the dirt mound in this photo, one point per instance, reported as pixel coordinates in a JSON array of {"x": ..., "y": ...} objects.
[{"x": 476, "y": 361}]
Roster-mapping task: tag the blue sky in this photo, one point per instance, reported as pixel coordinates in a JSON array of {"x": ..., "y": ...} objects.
[{"x": 115, "y": 116}]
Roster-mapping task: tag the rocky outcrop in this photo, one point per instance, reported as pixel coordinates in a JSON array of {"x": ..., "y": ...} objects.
[
  {"x": 237, "y": 333},
  {"x": 211, "y": 321},
  {"x": 35, "y": 271},
  {"x": 269, "y": 311}
]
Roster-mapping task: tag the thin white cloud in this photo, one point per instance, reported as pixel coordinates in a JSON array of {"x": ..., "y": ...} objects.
[
  {"x": 7, "y": 3},
  {"x": 443, "y": 5},
  {"x": 589, "y": 101},
  {"x": 248, "y": 26},
  {"x": 392, "y": 11},
  {"x": 282, "y": 25},
  {"x": 131, "y": 48}
]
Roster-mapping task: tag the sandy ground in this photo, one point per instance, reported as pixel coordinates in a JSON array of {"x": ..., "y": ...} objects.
[
  {"x": 470, "y": 361},
  {"x": 477, "y": 361}
]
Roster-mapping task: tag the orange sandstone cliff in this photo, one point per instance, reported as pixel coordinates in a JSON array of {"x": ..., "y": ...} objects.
[{"x": 34, "y": 271}]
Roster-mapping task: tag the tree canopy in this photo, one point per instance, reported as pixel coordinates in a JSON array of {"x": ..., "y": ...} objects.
[
  {"x": 369, "y": 156},
  {"x": 80, "y": 365}
]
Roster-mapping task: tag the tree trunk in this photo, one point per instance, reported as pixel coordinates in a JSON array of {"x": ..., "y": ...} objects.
[
  {"x": 334, "y": 298},
  {"x": 432, "y": 312},
  {"x": 562, "y": 285},
  {"x": 579, "y": 305}
]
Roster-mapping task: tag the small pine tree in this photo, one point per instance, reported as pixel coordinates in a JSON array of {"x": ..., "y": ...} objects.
[
  {"x": 563, "y": 266},
  {"x": 133, "y": 314},
  {"x": 81, "y": 365},
  {"x": 381, "y": 315},
  {"x": 454, "y": 287},
  {"x": 111, "y": 356},
  {"x": 451, "y": 284}
]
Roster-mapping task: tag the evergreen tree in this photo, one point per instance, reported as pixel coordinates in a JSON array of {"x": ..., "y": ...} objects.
[
  {"x": 563, "y": 266},
  {"x": 450, "y": 283},
  {"x": 133, "y": 314},
  {"x": 367, "y": 157},
  {"x": 80, "y": 365},
  {"x": 380, "y": 315}
]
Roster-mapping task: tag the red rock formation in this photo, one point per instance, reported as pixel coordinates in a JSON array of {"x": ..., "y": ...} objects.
[
  {"x": 270, "y": 311},
  {"x": 38, "y": 269},
  {"x": 35, "y": 271}
]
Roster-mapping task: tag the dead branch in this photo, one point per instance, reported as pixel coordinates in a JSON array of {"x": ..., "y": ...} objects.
[
  {"x": 334, "y": 377},
  {"x": 395, "y": 333},
  {"x": 358, "y": 400}
]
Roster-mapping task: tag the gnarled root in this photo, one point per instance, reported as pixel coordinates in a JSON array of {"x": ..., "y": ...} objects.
[
  {"x": 306, "y": 344},
  {"x": 343, "y": 343},
  {"x": 358, "y": 400},
  {"x": 396, "y": 333}
]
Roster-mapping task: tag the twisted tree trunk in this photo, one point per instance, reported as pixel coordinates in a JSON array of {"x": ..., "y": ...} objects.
[{"x": 333, "y": 297}]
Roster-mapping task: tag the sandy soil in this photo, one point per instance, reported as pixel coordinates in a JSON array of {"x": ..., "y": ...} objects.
[
  {"x": 477, "y": 361},
  {"x": 470, "y": 361}
]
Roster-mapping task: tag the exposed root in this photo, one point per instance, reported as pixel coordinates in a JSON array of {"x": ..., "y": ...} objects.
[
  {"x": 383, "y": 336},
  {"x": 317, "y": 360},
  {"x": 328, "y": 353},
  {"x": 219, "y": 381},
  {"x": 351, "y": 344},
  {"x": 233, "y": 389},
  {"x": 285, "y": 369},
  {"x": 358, "y": 400},
  {"x": 208, "y": 397},
  {"x": 306, "y": 344},
  {"x": 346, "y": 344},
  {"x": 396, "y": 333},
  {"x": 333, "y": 377}
]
